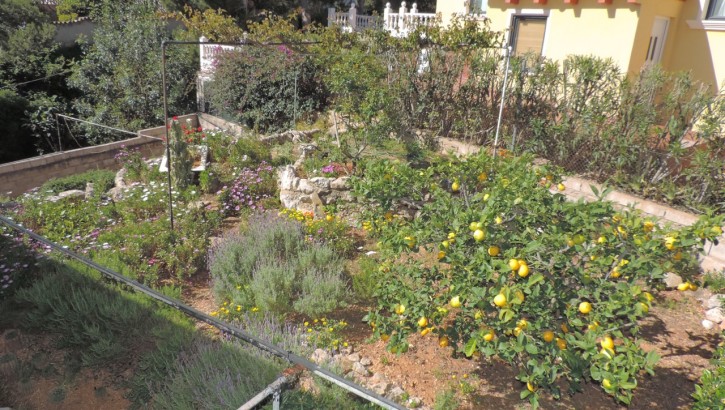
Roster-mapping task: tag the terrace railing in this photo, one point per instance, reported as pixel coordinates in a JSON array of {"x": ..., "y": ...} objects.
[
  {"x": 209, "y": 53},
  {"x": 398, "y": 24}
]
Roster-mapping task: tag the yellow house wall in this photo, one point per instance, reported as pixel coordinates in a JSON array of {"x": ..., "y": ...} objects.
[
  {"x": 446, "y": 9},
  {"x": 698, "y": 50},
  {"x": 586, "y": 28},
  {"x": 648, "y": 11}
]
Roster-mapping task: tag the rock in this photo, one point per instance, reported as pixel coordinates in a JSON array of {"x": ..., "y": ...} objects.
[
  {"x": 73, "y": 193},
  {"x": 715, "y": 315},
  {"x": 90, "y": 190},
  {"x": 346, "y": 350},
  {"x": 286, "y": 177},
  {"x": 320, "y": 356},
  {"x": 359, "y": 369},
  {"x": 414, "y": 402},
  {"x": 306, "y": 187},
  {"x": 672, "y": 280},
  {"x": 340, "y": 184},
  {"x": 370, "y": 253},
  {"x": 320, "y": 182},
  {"x": 345, "y": 364},
  {"x": 365, "y": 361},
  {"x": 714, "y": 301},
  {"x": 707, "y": 324},
  {"x": 119, "y": 180},
  {"x": 396, "y": 393},
  {"x": 197, "y": 205},
  {"x": 353, "y": 357},
  {"x": 381, "y": 388},
  {"x": 378, "y": 378}
]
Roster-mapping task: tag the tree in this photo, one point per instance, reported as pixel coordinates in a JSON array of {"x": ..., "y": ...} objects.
[{"x": 120, "y": 75}]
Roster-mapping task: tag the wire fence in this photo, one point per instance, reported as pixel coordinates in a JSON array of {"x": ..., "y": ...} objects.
[{"x": 273, "y": 389}]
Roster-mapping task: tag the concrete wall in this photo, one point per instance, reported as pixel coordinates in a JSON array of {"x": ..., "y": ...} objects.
[
  {"x": 67, "y": 33},
  {"x": 20, "y": 176}
]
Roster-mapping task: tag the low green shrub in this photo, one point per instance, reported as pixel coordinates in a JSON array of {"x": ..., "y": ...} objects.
[
  {"x": 215, "y": 376},
  {"x": 365, "y": 280},
  {"x": 710, "y": 393},
  {"x": 101, "y": 179},
  {"x": 272, "y": 267}
]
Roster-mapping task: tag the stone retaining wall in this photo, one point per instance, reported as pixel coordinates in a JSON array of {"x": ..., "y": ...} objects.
[
  {"x": 310, "y": 195},
  {"x": 580, "y": 188},
  {"x": 20, "y": 176}
]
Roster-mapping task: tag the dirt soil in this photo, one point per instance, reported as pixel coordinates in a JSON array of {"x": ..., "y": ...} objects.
[
  {"x": 34, "y": 374},
  {"x": 672, "y": 329}
]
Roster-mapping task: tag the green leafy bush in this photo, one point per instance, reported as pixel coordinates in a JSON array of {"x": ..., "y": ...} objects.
[
  {"x": 509, "y": 269},
  {"x": 710, "y": 393},
  {"x": 279, "y": 83},
  {"x": 101, "y": 179},
  {"x": 272, "y": 267}
]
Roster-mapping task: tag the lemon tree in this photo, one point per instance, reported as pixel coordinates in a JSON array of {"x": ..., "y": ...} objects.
[{"x": 553, "y": 287}]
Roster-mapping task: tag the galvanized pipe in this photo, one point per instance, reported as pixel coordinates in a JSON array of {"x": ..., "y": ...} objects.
[{"x": 273, "y": 389}]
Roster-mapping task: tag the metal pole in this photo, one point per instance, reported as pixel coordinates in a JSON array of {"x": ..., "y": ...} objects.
[
  {"x": 57, "y": 128},
  {"x": 166, "y": 132},
  {"x": 271, "y": 390},
  {"x": 503, "y": 98}
]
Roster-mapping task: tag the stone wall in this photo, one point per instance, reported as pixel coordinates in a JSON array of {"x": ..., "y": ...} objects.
[
  {"x": 580, "y": 188},
  {"x": 313, "y": 193},
  {"x": 20, "y": 176}
]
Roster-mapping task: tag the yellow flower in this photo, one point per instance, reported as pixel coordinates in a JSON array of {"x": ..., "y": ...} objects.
[
  {"x": 309, "y": 330},
  {"x": 307, "y": 323},
  {"x": 345, "y": 344},
  {"x": 214, "y": 313},
  {"x": 255, "y": 309}
]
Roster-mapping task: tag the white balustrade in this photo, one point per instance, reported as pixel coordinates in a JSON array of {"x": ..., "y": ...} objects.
[
  {"x": 398, "y": 23},
  {"x": 208, "y": 54}
]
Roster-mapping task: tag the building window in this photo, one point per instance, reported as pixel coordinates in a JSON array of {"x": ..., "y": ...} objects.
[
  {"x": 527, "y": 34},
  {"x": 478, "y": 6},
  {"x": 716, "y": 10}
]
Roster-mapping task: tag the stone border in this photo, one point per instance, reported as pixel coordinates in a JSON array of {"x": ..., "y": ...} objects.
[{"x": 580, "y": 188}]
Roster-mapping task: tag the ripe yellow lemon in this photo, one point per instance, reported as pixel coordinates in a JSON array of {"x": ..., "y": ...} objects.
[
  {"x": 585, "y": 308},
  {"x": 548, "y": 336},
  {"x": 385, "y": 338},
  {"x": 490, "y": 335},
  {"x": 479, "y": 235},
  {"x": 644, "y": 307},
  {"x": 498, "y": 220},
  {"x": 716, "y": 230},
  {"x": 478, "y": 315},
  {"x": 329, "y": 218},
  {"x": 473, "y": 226},
  {"x": 517, "y": 331},
  {"x": 455, "y": 186},
  {"x": 500, "y": 300},
  {"x": 561, "y": 343},
  {"x": 648, "y": 226},
  {"x": 426, "y": 331},
  {"x": 455, "y": 302},
  {"x": 602, "y": 239},
  {"x": 648, "y": 296},
  {"x": 400, "y": 309},
  {"x": 683, "y": 286},
  {"x": 593, "y": 326},
  {"x": 693, "y": 287},
  {"x": 523, "y": 271},
  {"x": 570, "y": 243},
  {"x": 443, "y": 341},
  {"x": 514, "y": 264},
  {"x": 493, "y": 250},
  {"x": 523, "y": 324},
  {"x": 606, "y": 384},
  {"x": 423, "y": 322},
  {"x": 607, "y": 343},
  {"x": 485, "y": 197},
  {"x": 531, "y": 387},
  {"x": 445, "y": 244},
  {"x": 560, "y": 187},
  {"x": 441, "y": 255},
  {"x": 451, "y": 235}
]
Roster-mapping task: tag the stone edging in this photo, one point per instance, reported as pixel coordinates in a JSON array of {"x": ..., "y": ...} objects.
[{"x": 580, "y": 188}]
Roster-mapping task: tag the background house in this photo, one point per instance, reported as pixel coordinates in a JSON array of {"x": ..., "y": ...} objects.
[{"x": 678, "y": 34}]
